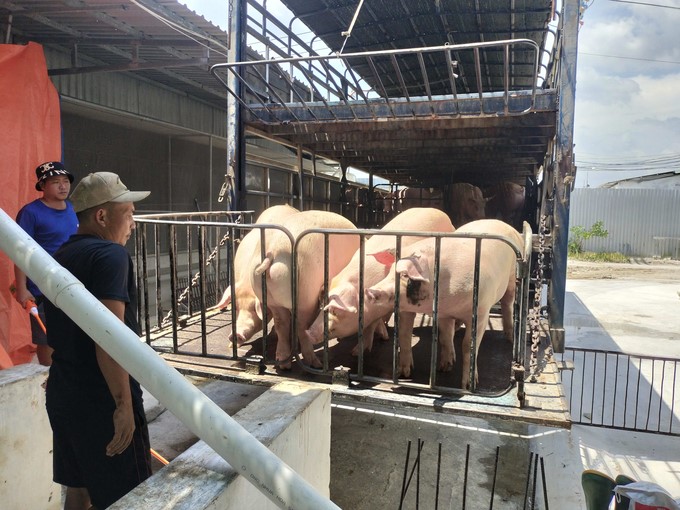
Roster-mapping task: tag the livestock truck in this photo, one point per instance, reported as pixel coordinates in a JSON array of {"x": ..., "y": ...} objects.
[
  {"x": 342, "y": 106},
  {"x": 415, "y": 98}
]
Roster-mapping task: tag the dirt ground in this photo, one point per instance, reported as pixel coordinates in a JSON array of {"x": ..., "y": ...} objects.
[{"x": 637, "y": 268}]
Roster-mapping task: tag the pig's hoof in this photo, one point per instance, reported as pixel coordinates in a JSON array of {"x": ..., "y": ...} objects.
[
  {"x": 283, "y": 365},
  {"x": 405, "y": 370},
  {"x": 355, "y": 351},
  {"x": 446, "y": 366}
]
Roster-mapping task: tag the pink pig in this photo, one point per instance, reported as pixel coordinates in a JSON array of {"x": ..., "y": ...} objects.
[
  {"x": 456, "y": 281},
  {"x": 343, "y": 292},
  {"x": 310, "y": 263},
  {"x": 247, "y": 320}
]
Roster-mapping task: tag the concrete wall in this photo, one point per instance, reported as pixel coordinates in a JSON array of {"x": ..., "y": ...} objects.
[
  {"x": 25, "y": 441},
  {"x": 292, "y": 419}
]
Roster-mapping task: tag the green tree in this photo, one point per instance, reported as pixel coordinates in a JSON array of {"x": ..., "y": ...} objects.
[{"x": 578, "y": 234}]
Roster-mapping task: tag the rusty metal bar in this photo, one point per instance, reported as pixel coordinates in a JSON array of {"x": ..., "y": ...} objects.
[
  {"x": 172, "y": 257},
  {"x": 526, "y": 487},
  {"x": 495, "y": 474},
  {"x": 326, "y": 270},
  {"x": 397, "y": 289},
  {"x": 452, "y": 79},
  {"x": 157, "y": 243},
  {"x": 478, "y": 76},
  {"x": 533, "y": 490},
  {"x": 145, "y": 287},
  {"x": 231, "y": 277},
  {"x": 435, "y": 313},
  {"x": 272, "y": 91},
  {"x": 357, "y": 85},
  {"x": 465, "y": 474},
  {"x": 439, "y": 468},
  {"x": 384, "y": 95},
  {"x": 545, "y": 486},
  {"x": 341, "y": 93},
  {"x": 400, "y": 77},
  {"x": 423, "y": 72},
  {"x": 362, "y": 272},
  {"x": 475, "y": 306},
  {"x": 506, "y": 79},
  {"x": 316, "y": 91},
  {"x": 201, "y": 289},
  {"x": 403, "y": 481}
]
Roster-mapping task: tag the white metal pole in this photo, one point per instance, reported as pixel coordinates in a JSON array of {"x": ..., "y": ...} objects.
[{"x": 271, "y": 476}]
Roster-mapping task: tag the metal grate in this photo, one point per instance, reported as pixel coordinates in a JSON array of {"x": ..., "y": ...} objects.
[
  {"x": 416, "y": 484},
  {"x": 622, "y": 391}
]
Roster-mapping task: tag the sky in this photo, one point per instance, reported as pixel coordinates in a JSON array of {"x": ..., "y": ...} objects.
[{"x": 627, "y": 114}]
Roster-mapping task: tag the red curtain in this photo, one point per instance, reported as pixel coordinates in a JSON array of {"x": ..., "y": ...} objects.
[{"x": 31, "y": 134}]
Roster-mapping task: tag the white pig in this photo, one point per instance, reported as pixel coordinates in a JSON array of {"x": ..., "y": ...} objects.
[
  {"x": 343, "y": 292},
  {"x": 310, "y": 263},
  {"x": 247, "y": 320},
  {"x": 456, "y": 281}
]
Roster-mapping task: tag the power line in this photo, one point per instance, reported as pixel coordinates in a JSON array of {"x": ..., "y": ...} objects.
[
  {"x": 646, "y": 4},
  {"x": 629, "y": 58},
  {"x": 670, "y": 162}
]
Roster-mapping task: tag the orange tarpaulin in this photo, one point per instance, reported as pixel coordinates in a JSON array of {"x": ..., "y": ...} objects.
[{"x": 31, "y": 134}]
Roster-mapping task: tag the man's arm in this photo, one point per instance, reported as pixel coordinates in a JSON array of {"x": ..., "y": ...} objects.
[
  {"x": 22, "y": 293},
  {"x": 118, "y": 381}
]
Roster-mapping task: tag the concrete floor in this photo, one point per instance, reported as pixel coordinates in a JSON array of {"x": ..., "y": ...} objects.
[{"x": 636, "y": 315}]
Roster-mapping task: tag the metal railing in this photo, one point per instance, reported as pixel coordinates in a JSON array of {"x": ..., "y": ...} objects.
[
  {"x": 179, "y": 247},
  {"x": 377, "y": 86},
  {"x": 622, "y": 391},
  {"x": 164, "y": 313},
  {"x": 519, "y": 315}
]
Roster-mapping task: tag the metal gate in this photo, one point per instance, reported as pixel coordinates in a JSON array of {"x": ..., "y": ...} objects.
[{"x": 622, "y": 391}]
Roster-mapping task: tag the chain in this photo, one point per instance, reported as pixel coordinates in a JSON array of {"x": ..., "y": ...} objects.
[
  {"x": 195, "y": 280},
  {"x": 535, "y": 314},
  {"x": 227, "y": 186}
]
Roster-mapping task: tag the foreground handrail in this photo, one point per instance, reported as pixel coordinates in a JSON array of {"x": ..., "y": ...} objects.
[{"x": 269, "y": 474}]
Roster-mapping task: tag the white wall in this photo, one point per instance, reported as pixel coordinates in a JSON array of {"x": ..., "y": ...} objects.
[
  {"x": 25, "y": 441},
  {"x": 292, "y": 419}
]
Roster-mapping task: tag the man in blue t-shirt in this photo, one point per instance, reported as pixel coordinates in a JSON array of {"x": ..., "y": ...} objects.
[
  {"x": 101, "y": 440},
  {"x": 49, "y": 220}
]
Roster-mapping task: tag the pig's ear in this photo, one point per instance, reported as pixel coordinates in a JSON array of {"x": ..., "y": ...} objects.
[
  {"x": 416, "y": 267},
  {"x": 338, "y": 306},
  {"x": 226, "y": 299},
  {"x": 258, "y": 308},
  {"x": 386, "y": 257},
  {"x": 375, "y": 295}
]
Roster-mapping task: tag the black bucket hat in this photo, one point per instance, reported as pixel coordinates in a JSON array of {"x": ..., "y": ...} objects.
[{"x": 51, "y": 169}]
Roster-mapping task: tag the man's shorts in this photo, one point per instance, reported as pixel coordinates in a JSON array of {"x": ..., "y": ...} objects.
[
  {"x": 38, "y": 336},
  {"x": 80, "y": 459}
]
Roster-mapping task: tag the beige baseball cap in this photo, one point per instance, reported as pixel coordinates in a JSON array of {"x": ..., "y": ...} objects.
[{"x": 101, "y": 187}]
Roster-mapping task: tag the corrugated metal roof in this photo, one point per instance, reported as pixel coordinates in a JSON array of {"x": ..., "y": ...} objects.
[
  {"x": 160, "y": 40},
  {"x": 392, "y": 24},
  {"x": 431, "y": 108}
]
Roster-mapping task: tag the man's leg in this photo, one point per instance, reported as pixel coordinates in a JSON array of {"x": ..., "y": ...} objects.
[
  {"x": 39, "y": 337},
  {"x": 77, "y": 498},
  {"x": 44, "y": 353}
]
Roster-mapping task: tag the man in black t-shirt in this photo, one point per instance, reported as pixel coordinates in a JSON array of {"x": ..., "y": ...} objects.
[{"x": 101, "y": 440}]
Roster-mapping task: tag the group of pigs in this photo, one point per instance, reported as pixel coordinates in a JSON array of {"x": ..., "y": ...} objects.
[
  {"x": 464, "y": 202},
  {"x": 414, "y": 270}
]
